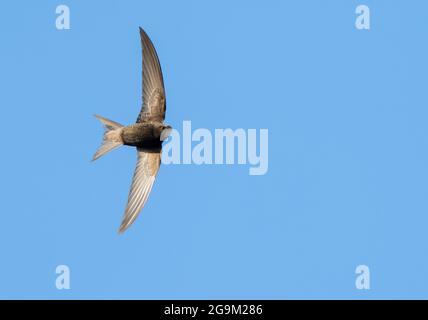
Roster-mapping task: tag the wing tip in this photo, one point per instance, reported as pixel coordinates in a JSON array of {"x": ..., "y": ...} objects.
[
  {"x": 123, "y": 227},
  {"x": 142, "y": 32}
]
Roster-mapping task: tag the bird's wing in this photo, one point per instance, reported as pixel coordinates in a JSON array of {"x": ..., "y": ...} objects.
[
  {"x": 144, "y": 177},
  {"x": 154, "y": 103}
]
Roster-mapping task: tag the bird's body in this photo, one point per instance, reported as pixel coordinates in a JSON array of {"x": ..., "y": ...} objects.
[{"x": 146, "y": 135}]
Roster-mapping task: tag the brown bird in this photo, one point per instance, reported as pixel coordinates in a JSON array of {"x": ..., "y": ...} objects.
[{"x": 147, "y": 134}]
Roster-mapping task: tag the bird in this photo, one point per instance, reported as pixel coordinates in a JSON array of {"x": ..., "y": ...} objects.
[{"x": 146, "y": 135}]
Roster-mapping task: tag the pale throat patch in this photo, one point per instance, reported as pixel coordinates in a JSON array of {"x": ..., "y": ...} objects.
[{"x": 165, "y": 134}]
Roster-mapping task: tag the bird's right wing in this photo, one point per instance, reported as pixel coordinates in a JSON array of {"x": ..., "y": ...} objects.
[
  {"x": 148, "y": 164},
  {"x": 154, "y": 105}
]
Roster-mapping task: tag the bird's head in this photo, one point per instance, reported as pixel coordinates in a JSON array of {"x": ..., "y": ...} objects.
[{"x": 166, "y": 131}]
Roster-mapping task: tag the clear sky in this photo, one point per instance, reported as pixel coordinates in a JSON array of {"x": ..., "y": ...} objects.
[{"x": 347, "y": 184}]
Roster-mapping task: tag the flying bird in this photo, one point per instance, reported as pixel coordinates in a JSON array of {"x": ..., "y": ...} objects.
[{"x": 146, "y": 135}]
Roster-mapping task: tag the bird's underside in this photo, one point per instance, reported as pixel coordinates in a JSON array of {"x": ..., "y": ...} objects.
[{"x": 146, "y": 134}]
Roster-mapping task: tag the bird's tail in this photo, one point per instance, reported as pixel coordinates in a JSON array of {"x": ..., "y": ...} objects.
[{"x": 112, "y": 137}]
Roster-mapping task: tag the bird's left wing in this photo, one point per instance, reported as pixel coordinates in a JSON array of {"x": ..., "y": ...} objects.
[
  {"x": 144, "y": 177},
  {"x": 154, "y": 104}
]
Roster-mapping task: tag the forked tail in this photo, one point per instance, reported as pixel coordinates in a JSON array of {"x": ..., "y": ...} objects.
[{"x": 112, "y": 137}]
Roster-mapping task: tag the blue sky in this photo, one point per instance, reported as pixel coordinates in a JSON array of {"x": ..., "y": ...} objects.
[{"x": 346, "y": 111}]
